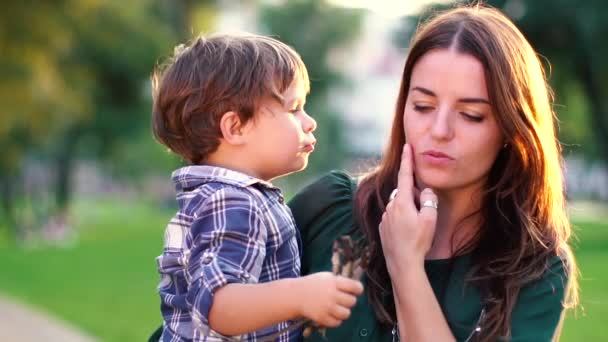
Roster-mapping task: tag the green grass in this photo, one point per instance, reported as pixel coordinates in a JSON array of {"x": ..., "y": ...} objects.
[
  {"x": 589, "y": 323},
  {"x": 106, "y": 283}
]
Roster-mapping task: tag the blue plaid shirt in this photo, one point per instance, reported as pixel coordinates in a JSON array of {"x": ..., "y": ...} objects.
[{"x": 230, "y": 228}]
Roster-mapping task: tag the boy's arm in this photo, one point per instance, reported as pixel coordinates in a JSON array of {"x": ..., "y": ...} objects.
[
  {"x": 228, "y": 250},
  {"x": 322, "y": 297},
  {"x": 228, "y": 246}
]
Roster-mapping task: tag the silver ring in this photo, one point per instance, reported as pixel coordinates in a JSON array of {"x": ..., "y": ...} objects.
[
  {"x": 393, "y": 195},
  {"x": 429, "y": 204}
]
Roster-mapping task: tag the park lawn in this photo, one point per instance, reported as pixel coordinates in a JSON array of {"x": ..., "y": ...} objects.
[
  {"x": 106, "y": 283},
  {"x": 589, "y": 323}
]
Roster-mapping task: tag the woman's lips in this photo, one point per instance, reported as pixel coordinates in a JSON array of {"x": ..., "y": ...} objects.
[{"x": 436, "y": 158}]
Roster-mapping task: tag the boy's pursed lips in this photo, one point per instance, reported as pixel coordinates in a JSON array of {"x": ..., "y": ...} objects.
[{"x": 309, "y": 147}]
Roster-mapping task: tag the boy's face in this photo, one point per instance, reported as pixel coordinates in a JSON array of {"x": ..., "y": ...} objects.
[{"x": 280, "y": 138}]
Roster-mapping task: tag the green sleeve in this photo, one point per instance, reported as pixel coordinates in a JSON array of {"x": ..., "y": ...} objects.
[
  {"x": 323, "y": 212},
  {"x": 538, "y": 311}
]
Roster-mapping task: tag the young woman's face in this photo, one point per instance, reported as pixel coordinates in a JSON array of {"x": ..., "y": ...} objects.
[{"x": 448, "y": 120}]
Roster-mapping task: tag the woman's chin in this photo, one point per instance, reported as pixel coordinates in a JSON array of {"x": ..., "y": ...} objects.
[{"x": 435, "y": 183}]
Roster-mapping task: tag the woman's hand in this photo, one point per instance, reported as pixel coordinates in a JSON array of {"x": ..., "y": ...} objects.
[{"x": 406, "y": 232}]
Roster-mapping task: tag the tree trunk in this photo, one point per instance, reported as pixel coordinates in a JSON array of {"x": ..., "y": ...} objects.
[
  {"x": 64, "y": 165},
  {"x": 7, "y": 197}
]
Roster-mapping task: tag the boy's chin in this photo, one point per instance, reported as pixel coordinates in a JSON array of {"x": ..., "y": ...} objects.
[{"x": 300, "y": 165}]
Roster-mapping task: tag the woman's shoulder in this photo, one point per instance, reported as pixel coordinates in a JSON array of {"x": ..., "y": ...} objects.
[
  {"x": 540, "y": 304},
  {"x": 553, "y": 280},
  {"x": 331, "y": 190},
  {"x": 329, "y": 183},
  {"x": 323, "y": 210}
]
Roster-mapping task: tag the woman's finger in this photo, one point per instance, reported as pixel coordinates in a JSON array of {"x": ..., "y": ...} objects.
[
  {"x": 405, "y": 178},
  {"x": 416, "y": 195},
  {"x": 428, "y": 208}
]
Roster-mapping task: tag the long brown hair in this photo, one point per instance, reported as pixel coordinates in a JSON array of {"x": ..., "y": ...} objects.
[{"x": 524, "y": 221}]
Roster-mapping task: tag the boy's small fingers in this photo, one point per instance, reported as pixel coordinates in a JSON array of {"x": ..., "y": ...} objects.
[
  {"x": 346, "y": 300},
  {"x": 341, "y": 313},
  {"x": 351, "y": 286},
  {"x": 331, "y": 322}
]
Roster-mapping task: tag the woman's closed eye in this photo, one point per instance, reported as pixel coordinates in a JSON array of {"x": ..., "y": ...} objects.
[
  {"x": 423, "y": 108},
  {"x": 471, "y": 117}
]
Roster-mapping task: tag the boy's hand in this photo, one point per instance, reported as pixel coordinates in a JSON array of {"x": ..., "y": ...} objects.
[{"x": 326, "y": 299}]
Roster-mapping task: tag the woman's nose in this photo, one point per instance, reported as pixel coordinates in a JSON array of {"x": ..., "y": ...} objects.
[{"x": 442, "y": 125}]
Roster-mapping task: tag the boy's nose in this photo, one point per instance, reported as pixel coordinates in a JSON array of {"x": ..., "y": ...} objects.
[{"x": 308, "y": 123}]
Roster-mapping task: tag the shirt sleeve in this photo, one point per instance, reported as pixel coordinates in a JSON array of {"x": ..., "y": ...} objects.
[
  {"x": 228, "y": 246},
  {"x": 538, "y": 312}
]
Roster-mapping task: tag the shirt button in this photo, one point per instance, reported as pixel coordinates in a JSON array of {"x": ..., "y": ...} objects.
[
  {"x": 207, "y": 260},
  {"x": 363, "y": 332}
]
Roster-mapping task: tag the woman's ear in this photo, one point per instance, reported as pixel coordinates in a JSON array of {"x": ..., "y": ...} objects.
[{"x": 232, "y": 128}]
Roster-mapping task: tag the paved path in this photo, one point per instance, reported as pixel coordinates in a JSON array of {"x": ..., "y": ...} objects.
[{"x": 22, "y": 323}]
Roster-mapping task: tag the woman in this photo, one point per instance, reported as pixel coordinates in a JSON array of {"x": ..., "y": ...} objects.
[{"x": 481, "y": 253}]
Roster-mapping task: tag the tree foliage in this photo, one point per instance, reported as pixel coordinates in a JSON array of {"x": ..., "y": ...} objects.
[{"x": 74, "y": 82}]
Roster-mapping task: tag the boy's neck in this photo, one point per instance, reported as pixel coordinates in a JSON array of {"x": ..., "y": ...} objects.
[{"x": 235, "y": 161}]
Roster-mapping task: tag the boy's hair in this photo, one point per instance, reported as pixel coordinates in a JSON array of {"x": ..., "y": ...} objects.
[{"x": 214, "y": 75}]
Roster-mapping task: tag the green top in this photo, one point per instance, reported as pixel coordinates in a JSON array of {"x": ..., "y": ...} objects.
[{"x": 323, "y": 212}]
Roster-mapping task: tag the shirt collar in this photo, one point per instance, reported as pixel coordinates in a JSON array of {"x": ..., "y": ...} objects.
[{"x": 196, "y": 175}]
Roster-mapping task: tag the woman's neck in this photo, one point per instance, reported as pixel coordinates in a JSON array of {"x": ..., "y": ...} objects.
[{"x": 458, "y": 221}]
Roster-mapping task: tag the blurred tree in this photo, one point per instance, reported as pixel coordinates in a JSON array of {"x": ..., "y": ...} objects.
[
  {"x": 571, "y": 38},
  {"x": 315, "y": 28},
  {"x": 35, "y": 91},
  {"x": 75, "y": 81}
]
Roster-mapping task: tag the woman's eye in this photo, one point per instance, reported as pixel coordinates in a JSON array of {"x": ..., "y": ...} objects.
[
  {"x": 422, "y": 109},
  {"x": 470, "y": 117}
]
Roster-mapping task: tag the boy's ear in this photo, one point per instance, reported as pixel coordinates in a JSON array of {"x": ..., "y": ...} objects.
[{"x": 232, "y": 128}]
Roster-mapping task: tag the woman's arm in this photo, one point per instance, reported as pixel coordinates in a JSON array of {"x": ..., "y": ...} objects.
[
  {"x": 406, "y": 234},
  {"x": 418, "y": 312}
]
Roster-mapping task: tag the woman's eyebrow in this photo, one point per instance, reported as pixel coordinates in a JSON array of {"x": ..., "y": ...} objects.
[
  {"x": 464, "y": 100},
  {"x": 474, "y": 100},
  {"x": 424, "y": 91}
]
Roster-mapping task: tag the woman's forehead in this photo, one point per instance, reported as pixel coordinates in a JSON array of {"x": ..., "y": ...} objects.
[{"x": 449, "y": 71}]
